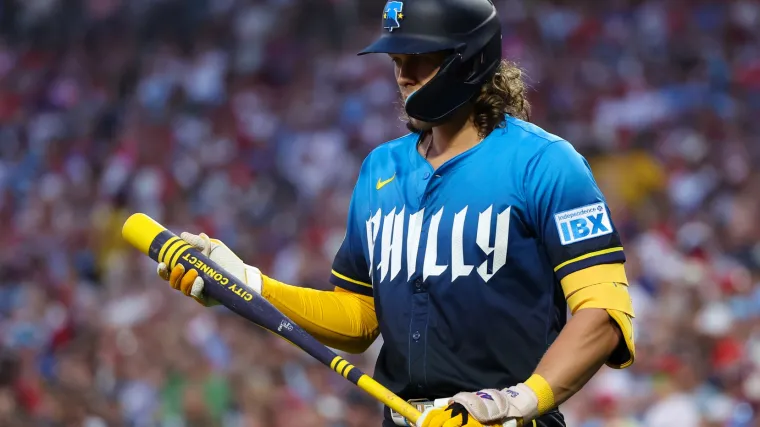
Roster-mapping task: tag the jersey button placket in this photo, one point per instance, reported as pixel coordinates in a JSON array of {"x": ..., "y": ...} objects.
[
  {"x": 424, "y": 188},
  {"x": 417, "y": 328},
  {"x": 419, "y": 311},
  {"x": 431, "y": 185}
]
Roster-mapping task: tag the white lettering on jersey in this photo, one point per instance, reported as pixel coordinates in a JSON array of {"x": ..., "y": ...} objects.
[
  {"x": 430, "y": 266},
  {"x": 387, "y": 245},
  {"x": 392, "y": 243},
  {"x": 458, "y": 267},
  {"x": 373, "y": 226},
  {"x": 413, "y": 242},
  {"x": 398, "y": 242},
  {"x": 499, "y": 249}
]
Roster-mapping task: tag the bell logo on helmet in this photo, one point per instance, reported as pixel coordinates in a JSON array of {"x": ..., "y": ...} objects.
[{"x": 392, "y": 15}]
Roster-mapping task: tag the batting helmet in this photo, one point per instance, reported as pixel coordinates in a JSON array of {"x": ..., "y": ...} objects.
[{"x": 469, "y": 29}]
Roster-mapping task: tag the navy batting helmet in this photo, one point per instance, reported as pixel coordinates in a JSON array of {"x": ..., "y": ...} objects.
[{"x": 469, "y": 29}]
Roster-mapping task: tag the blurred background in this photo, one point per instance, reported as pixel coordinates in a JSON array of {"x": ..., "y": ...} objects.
[{"x": 248, "y": 119}]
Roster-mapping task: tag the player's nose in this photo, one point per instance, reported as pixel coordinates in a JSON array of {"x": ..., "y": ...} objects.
[
  {"x": 405, "y": 75},
  {"x": 406, "y": 84}
]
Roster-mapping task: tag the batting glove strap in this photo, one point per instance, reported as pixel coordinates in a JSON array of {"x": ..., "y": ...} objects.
[{"x": 492, "y": 406}]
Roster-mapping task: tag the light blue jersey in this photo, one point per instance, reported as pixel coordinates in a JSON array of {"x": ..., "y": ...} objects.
[{"x": 479, "y": 246}]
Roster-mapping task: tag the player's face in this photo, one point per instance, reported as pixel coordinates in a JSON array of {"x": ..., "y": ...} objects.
[{"x": 413, "y": 71}]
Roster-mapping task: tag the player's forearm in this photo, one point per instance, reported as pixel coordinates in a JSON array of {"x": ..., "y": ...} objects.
[
  {"x": 339, "y": 319},
  {"x": 581, "y": 349}
]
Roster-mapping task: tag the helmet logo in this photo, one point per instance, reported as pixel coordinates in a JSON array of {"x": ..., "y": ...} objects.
[{"x": 393, "y": 14}]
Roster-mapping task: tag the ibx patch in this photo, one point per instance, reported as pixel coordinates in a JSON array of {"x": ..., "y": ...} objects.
[{"x": 583, "y": 223}]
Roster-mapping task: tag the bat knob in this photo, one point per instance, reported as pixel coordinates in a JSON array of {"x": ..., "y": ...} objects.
[{"x": 139, "y": 230}]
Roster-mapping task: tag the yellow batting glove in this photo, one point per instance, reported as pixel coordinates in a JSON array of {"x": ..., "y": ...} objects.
[
  {"x": 454, "y": 415},
  {"x": 189, "y": 282},
  {"x": 182, "y": 281}
]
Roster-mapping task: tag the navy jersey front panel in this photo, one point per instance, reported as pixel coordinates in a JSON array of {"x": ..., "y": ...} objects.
[{"x": 464, "y": 262}]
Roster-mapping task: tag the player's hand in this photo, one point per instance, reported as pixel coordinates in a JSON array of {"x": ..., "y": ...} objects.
[
  {"x": 454, "y": 415},
  {"x": 191, "y": 284},
  {"x": 517, "y": 404}
]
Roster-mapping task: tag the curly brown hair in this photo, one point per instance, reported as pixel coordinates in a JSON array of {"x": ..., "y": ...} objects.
[{"x": 505, "y": 93}]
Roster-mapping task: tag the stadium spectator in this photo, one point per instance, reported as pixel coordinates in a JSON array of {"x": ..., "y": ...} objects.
[{"x": 230, "y": 116}]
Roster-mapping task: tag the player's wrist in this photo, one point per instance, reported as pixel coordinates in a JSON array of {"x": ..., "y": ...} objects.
[
  {"x": 543, "y": 392},
  {"x": 253, "y": 278}
]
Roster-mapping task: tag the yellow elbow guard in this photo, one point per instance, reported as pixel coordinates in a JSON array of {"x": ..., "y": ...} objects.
[{"x": 605, "y": 286}]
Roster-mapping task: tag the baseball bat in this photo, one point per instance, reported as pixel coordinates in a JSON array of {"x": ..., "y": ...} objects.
[{"x": 160, "y": 244}]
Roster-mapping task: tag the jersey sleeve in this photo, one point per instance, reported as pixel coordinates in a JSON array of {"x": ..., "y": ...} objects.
[
  {"x": 350, "y": 269},
  {"x": 569, "y": 212}
]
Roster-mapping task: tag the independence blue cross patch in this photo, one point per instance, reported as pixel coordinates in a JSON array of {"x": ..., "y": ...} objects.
[
  {"x": 583, "y": 223},
  {"x": 392, "y": 15}
]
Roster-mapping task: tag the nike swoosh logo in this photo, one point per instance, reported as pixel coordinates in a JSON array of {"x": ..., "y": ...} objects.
[{"x": 381, "y": 184}]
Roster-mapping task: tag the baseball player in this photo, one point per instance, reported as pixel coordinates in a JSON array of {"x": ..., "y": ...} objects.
[{"x": 467, "y": 241}]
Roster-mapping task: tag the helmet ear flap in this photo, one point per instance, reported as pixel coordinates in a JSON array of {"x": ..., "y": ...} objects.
[
  {"x": 425, "y": 103},
  {"x": 480, "y": 68}
]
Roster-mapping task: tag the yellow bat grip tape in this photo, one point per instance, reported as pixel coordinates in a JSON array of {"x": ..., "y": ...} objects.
[{"x": 164, "y": 247}]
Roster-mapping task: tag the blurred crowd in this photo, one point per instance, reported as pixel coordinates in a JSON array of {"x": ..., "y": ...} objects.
[{"x": 248, "y": 119}]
